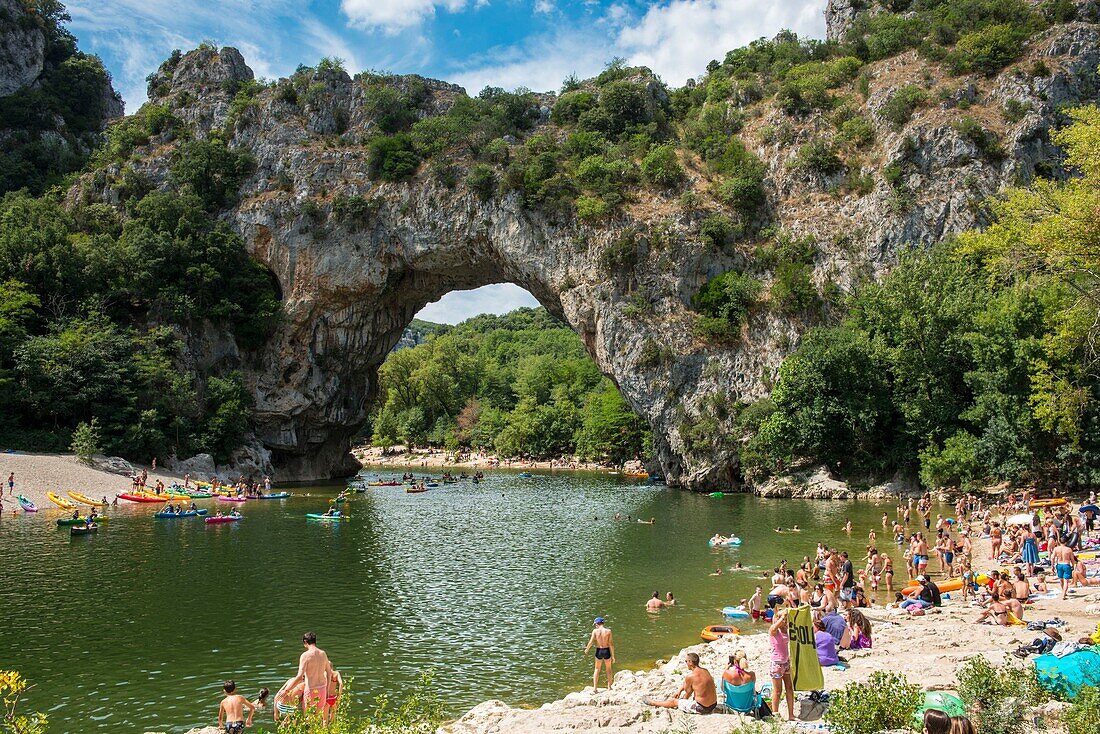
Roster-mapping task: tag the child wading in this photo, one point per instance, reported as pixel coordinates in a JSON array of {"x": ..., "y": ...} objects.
[{"x": 231, "y": 710}]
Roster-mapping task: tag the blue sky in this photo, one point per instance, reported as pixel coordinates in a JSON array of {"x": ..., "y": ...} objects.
[{"x": 475, "y": 43}]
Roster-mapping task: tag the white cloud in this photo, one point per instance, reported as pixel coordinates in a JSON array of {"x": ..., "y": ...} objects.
[
  {"x": 677, "y": 39},
  {"x": 396, "y": 15},
  {"x": 544, "y": 6},
  {"x": 458, "y": 306}
]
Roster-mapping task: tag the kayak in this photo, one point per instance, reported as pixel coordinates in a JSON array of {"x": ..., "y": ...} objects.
[
  {"x": 383, "y": 484},
  {"x": 416, "y": 490},
  {"x": 319, "y": 516},
  {"x": 948, "y": 585},
  {"x": 432, "y": 485},
  {"x": 636, "y": 474},
  {"x": 186, "y": 513},
  {"x": 1052, "y": 502},
  {"x": 26, "y": 504},
  {"x": 197, "y": 495},
  {"x": 717, "y": 494},
  {"x": 60, "y": 501},
  {"x": 714, "y": 632},
  {"x": 524, "y": 475},
  {"x": 232, "y": 499},
  {"x": 61, "y": 522},
  {"x": 86, "y": 500},
  {"x": 221, "y": 519},
  {"x": 735, "y": 612},
  {"x": 276, "y": 496},
  {"x": 167, "y": 496},
  {"x": 85, "y": 530},
  {"x": 139, "y": 498}
]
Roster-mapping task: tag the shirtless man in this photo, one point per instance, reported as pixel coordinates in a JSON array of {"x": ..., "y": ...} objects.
[
  {"x": 1063, "y": 560},
  {"x": 654, "y": 604},
  {"x": 231, "y": 710},
  {"x": 698, "y": 683},
  {"x": 314, "y": 669},
  {"x": 605, "y": 651}
]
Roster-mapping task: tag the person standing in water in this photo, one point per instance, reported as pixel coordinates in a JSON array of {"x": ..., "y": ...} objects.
[
  {"x": 602, "y": 640},
  {"x": 314, "y": 669}
]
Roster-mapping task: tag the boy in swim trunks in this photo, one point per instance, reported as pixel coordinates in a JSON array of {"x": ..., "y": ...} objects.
[
  {"x": 605, "y": 651},
  {"x": 231, "y": 710},
  {"x": 1063, "y": 560}
]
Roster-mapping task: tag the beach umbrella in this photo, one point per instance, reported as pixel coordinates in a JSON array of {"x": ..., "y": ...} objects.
[
  {"x": 1089, "y": 508},
  {"x": 1022, "y": 519},
  {"x": 948, "y": 703}
]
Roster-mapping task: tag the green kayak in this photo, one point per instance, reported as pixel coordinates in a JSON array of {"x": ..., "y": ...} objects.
[
  {"x": 717, "y": 494},
  {"x": 62, "y": 522}
]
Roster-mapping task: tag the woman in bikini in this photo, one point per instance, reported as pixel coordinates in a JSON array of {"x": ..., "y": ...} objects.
[{"x": 996, "y": 610}]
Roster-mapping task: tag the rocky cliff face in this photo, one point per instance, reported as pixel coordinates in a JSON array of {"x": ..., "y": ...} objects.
[{"x": 352, "y": 283}]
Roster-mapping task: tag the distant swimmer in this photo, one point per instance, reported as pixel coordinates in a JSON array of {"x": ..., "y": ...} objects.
[
  {"x": 654, "y": 604},
  {"x": 717, "y": 572},
  {"x": 796, "y": 529},
  {"x": 605, "y": 651},
  {"x": 650, "y": 521},
  {"x": 779, "y": 530}
]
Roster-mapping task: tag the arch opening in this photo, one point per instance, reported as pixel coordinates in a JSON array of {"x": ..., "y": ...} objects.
[{"x": 491, "y": 372}]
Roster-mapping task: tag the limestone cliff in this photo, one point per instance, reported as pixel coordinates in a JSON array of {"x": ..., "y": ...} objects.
[
  {"x": 351, "y": 282},
  {"x": 54, "y": 100}
]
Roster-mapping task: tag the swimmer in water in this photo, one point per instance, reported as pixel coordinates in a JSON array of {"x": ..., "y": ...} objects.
[
  {"x": 848, "y": 527},
  {"x": 779, "y": 530},
  {"x": 717, "y": 572},
  {"x": 796, "y": 529}
]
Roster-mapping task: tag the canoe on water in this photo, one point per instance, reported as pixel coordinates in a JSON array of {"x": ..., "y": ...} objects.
[
  {"x": 416, "y": 490},
  {"x": 81, "y": 520},
  {"x": 139, "y": 498},
  {"x": 275, "y": 496},
  {"x": 173, "y": 515},
  {"x": 233, "y": 499},
  {"x": 60, "y": 501},
  {"x": 26, "y": 504},
  {"x": 319, "y": 516},
  {"x": 223, "y": 518},
  {"x": 83, "y": 529},
  {"x": 86, "y": 500}
]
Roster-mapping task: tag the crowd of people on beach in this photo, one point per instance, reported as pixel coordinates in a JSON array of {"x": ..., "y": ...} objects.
[{"x": 938, "y": 561}]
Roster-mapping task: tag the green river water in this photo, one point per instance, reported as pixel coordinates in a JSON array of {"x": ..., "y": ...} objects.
[{"x": 492, "y": 586}]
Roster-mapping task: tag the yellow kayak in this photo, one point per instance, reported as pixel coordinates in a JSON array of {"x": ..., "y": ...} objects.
[
  {"x": 60, "y": 501},
  {"x": 166, "y": 496},
  {"x": 85, "y": 499}
]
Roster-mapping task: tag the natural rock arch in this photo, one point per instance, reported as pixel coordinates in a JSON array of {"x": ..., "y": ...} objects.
[{"x": 356, "y": 258}]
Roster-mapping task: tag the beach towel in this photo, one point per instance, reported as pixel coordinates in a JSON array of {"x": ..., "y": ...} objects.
[
  {"x": 1013, "y": 620},
  {"x": 805, "y": 667},
  {"x": 1066, "y": 675}
]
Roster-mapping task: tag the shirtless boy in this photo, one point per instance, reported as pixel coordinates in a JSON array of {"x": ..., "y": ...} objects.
[
  {"x": 698, "y": 683},
  {"x": 231, "y": 710},
  {"x": 605, "y": 652}
]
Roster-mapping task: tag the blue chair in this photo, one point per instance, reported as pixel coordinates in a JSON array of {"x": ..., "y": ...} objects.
[{"x": 743, "y": 698}]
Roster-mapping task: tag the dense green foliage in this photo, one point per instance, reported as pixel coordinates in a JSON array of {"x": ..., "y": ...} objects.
[
  {"x": 519, "y": 385},
  {"x": 74, "y": 87},
  {"x": 87, "y": 306},
  {"x": 725, "y": 302},
  {"x": 885, "y": 701},
  {"x": 999, "y": 698},
  {"x": 965, "y": 376}
]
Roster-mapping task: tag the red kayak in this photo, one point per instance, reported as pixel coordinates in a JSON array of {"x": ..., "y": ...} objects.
[
  {"x": 223, "y": 518},
  {"x": 139, "y": 498}
]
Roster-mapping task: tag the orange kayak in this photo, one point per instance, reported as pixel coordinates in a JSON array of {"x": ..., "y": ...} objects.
[
  {"x": 1051, "y": 502},
  {"x": 718, "y": 631},
  {"x": 948, "y": 585}
]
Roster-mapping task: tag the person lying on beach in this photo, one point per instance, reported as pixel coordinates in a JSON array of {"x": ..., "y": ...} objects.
[
  {"x": 1080, "y": 575},
  {"x": 698, "y": 684},
  {"x": 231, "y": 710}
]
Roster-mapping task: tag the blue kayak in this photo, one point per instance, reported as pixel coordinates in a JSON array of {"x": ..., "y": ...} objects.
[
  {"x": 276, "y": 496},
  {"x": 174, "y": 515}
]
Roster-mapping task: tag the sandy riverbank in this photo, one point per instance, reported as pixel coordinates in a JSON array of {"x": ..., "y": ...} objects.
[
  {"x": 36, "y": 474},
  {"x": 927, "y": 650},
  {"x": 400, "y": 458}
]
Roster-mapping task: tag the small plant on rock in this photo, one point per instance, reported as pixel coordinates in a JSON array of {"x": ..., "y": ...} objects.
[{"x": 885, "y": 701}]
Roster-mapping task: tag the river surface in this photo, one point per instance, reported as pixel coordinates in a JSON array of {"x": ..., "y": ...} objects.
[{"x": 492, "y": 586}]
